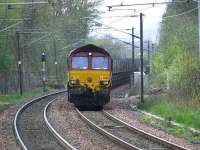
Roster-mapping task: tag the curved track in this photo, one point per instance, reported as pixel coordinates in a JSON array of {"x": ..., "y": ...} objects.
[
  {"x": 53, "y": 131},
  {"x": 167, "y": 144},
  {"x": 123, "y": 133},
  {"x": 30, "y": 128},
  {"x": 34, "y": 131},
  {"x": 109, "y": 135}
]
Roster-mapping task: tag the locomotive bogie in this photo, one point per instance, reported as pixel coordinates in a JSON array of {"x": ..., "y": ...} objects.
[{"x": 86, "y": 98}]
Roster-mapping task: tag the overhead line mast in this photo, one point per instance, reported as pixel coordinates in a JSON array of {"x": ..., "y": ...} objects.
[{"x": 141, "y": 59}]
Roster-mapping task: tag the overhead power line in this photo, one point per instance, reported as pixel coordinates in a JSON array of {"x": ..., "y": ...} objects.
[
  {"x": 177, "y": 15},
  {"x": 120, "y": 19},
  {"x": 135, "y": 10},
  {"x": 116, "y": 29},
  {"x": 11, "y": 26},
  {"x": 143, "y": 4},
  {"x": 72, "y": 44},
  {"x": 14, "y": 19},
  {"x": 120, "y": 16},
  {"x": 34, "y": 41},
  {"x": 107, "y": 29},
  {"x": 125, "y": 42},
  {"x": 144, "y": 9},
  {"x": 123, "y": 9},
  {"x": 183, "y": 13},
  {"x": 34, "y": 32},
  {"x": 23, "y": 3}
]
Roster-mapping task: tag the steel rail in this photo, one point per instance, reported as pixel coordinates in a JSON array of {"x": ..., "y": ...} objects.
[
  {"x": 107, "y": 134},
  {"x": 21, "y": 110},
  {"x": 143, "y": 133},
  {"x": 53, "y": 131},
  {"x": 142, "y": 4}
]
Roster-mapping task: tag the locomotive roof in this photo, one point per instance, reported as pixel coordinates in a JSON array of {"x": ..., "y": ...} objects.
[{"x": 89, "y": 48}]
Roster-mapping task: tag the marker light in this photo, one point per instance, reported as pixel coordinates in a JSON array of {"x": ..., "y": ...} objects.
[{"x": 90, "y": 54}]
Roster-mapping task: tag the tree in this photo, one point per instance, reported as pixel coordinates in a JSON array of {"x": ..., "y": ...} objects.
[
  {"x": 62, "y": 22},
  {"x": 176, "y": 61}
]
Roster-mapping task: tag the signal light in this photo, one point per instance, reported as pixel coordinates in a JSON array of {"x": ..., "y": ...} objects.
[
  {"x": 90, "y": 53},
  {"x": 43, "y": 57}
]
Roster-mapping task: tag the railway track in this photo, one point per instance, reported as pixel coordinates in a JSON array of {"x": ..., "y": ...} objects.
[
  {"x": 53, "y": 131},
  {"x": 88, "y": 139},
  {"x": 30, "y": 127},
  {"x": 124, "y": 134},
  {"x": 34, "y": 131}
]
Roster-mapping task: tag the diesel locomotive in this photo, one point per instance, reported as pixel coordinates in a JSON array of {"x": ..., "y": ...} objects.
[{"x": 89, "y": 77}]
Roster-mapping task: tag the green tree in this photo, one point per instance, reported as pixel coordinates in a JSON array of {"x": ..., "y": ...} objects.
[
  {"x": 63, "y": 22},
  {"x": 176, "y": 61}
]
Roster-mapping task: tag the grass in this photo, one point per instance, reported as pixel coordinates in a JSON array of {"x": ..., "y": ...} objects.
[
  {"x": 182, "y": 112},
  {"x": 15, "y": 97},
  {"x": 180, "y": 131}
]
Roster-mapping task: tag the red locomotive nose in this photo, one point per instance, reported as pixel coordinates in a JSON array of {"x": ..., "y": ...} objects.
[{"x": 89, "y": 79}]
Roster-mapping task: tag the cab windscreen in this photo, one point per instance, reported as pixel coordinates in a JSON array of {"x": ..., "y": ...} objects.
[
  {"x": 79, "y": 62},
  {"x": 99, "y": 62}
]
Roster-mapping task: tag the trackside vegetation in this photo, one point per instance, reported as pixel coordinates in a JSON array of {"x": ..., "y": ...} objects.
[
  {"x": 175, "y": 66},
  {"x": 175, "y": 69},
  {"x": 15, "y": 97},
  {"x": 56, "y": 28},
  {"x": 176, "y": 111},
  {"x": 181, "y": 112}
]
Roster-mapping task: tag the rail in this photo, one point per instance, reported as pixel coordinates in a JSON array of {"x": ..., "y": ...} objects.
[
  {"x": 53, "y": 131},
  {"x": 107, "y": 134},
  {"x": 143, "y": 133},
  {"x": 21, "y": 110}
]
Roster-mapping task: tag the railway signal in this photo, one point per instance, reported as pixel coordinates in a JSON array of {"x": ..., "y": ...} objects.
[
  {"x": 43, "y": 59},
  {"x": 19, "y": 64},
  {"x": 55, "y": 59},
  {"x": 148, "y": 63}
]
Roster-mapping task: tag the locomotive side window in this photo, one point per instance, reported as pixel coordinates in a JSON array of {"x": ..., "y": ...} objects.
[
  {"x": 80, "y": 62},
  {"x": 99, "y": 62}
]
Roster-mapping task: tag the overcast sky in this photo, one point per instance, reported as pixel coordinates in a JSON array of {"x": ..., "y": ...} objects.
[{"x": 152, "y": 19}]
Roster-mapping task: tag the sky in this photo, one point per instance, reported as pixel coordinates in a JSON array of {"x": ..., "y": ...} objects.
[{"x": 152, "y": 19}]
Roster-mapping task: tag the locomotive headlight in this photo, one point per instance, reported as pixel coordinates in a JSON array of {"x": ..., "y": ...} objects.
[
  {"x": 104, "y": 82},
  {"x": 74, "y": 82},
  {"x": 90, "y": 53}
]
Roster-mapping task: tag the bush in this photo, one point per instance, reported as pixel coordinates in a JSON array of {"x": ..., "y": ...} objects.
[{"x": 176, "y": 63}]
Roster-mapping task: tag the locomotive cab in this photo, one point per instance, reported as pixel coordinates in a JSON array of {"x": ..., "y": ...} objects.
[{"x": 89, "y": 77}]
